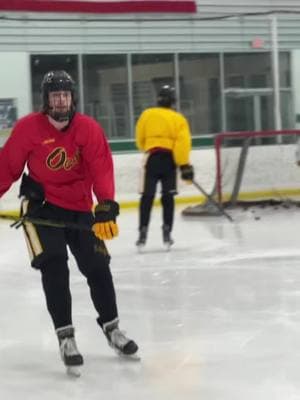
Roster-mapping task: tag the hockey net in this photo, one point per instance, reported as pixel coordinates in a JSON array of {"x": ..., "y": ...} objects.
[{"x": 254, "y": 168}]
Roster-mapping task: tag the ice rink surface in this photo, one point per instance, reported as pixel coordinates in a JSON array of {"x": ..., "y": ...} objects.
[{"x": 217, "y": 318}]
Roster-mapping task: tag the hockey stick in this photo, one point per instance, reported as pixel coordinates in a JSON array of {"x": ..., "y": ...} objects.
[
  {"x": 212, "y": 201},
  {"x": 44, "y": 222}
]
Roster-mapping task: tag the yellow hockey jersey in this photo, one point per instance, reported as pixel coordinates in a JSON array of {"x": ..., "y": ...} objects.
[{"x": 165, "y": 128}]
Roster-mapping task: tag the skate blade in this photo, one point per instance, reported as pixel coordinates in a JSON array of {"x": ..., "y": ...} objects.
[
  {"x": 73, "y": 371},
  {"x": 140, "y": 248},
  {"x": 128, "y": 357},
  {"x": 167, "y": 246}
]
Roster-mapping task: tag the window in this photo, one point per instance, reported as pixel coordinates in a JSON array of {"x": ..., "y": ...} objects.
[
  {"x": 105, "y": 85},
  {"x": 149, "y": 73},
  {"x": 249, "y": 92},
  {"x": 200, "y": 98},
  {"x": 247, "y": 85}
]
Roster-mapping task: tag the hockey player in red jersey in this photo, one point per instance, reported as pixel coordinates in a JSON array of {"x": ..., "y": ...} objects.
[{"x": 68, "y": 159}]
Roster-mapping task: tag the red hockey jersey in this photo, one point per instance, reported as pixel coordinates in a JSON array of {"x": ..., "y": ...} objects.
[{"x": 70, "y": 164}]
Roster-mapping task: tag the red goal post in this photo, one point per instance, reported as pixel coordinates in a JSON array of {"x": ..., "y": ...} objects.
[{"x": 256, "y": 166}]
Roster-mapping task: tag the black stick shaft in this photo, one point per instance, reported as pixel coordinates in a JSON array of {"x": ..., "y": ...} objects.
[
  {"x": 44, "y": 222},
  {"x": 211, "y": 200}
]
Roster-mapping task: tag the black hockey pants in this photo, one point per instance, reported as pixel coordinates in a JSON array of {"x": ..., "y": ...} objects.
[
  {"x": 159, "y": 167},
  {"x": 48, "y": 250}
]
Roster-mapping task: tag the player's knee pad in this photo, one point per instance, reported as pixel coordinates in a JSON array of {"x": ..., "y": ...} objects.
[
  {"x": 96, "y": 261},
  {"x": 99, "y": 276},
  {"x": 147, "y": 198},
  {"x": 55, "y": 275},
  {"x": 167, "y": 199},
  {"x": 46, "y": 259}
]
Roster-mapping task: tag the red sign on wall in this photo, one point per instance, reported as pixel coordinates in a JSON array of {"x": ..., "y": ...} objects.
[{"x": 96, "y": 6}]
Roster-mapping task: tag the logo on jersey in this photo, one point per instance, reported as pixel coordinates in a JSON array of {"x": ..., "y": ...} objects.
[
  {"x": 58, "y": 159},
  {"x": 48, "y": 141}
]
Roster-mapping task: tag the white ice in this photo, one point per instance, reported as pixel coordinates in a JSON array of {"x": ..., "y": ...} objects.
[{"x": 217, "y": 318}]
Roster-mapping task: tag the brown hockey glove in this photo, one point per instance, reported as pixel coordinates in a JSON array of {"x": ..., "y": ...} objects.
[
  {"x": 187, "y": 172},
  {"x": 105, "y": 226}
]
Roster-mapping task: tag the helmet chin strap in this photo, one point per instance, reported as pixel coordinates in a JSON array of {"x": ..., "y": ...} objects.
[{"x": 59, "y": 116}]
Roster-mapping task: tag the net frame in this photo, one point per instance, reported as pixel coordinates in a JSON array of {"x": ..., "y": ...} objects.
[
  {"x": 232, "y": 173},
  {"x": 221, "y": 137}
]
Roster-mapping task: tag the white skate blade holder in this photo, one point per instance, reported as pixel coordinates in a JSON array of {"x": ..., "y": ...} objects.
[
  {"x": 73, "y": 371},
  {"x": 128, "y": 357},
  {"x": 140, "y": 248},
  {"x": 167, "y": 246}
]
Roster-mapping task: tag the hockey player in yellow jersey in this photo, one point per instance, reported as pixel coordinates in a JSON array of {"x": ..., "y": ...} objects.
[{"x": 163, "y": 134}]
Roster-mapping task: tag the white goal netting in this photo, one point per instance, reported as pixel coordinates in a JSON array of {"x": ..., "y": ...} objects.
[{"x": 254, "y": 168}]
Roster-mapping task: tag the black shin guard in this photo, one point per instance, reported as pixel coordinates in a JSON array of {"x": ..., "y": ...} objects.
[
  {"x": 167, "y": 201},
  {"x": 145, "y": 210}
]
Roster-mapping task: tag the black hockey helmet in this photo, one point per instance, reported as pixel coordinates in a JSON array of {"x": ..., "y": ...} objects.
[
  {"x": 166, "y": 96},
  {"x": 55, "y": 81}
]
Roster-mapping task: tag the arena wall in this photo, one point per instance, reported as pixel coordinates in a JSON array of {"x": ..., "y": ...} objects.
[
  {"x": 268, "y": 167},
  {"x": 127, "y": 173}
]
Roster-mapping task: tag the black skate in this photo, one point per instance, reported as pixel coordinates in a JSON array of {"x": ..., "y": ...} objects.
[
  {"x": 119, "y": 342},
  {"x": 167, "y": 240},
  {"x": 140, "y": 243},
  {"x": 70, "y": 355}
]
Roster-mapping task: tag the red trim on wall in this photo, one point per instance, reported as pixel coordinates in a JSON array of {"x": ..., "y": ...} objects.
[{"x": 105, "y": 7}]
